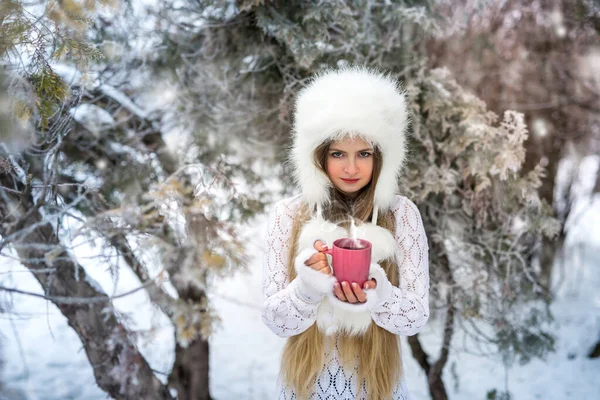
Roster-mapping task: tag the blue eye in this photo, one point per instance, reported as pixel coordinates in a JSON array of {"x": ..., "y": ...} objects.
[
  {"x": 336, "y": 154},
  {"x": 365, "y": 154}
]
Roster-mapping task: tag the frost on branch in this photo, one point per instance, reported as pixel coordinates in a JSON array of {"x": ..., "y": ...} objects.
[{"x": 482, "y": 212}]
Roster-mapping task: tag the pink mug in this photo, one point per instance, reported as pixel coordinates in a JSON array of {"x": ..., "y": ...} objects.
[{"x": 351, "y": 260}]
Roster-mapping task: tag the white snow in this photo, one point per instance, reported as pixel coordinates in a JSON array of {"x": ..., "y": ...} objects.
[
  {"x": 71, "y": 75},
  {"x": 93, "y": 118},
  {"x": 123, "y": 100}
]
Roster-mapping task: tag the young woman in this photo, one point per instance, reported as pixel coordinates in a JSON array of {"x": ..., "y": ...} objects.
[{"x": 348, "y": 151}]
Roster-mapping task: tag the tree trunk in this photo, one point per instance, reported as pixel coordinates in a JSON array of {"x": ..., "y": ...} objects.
[
  {"x": 437, "y": 390},
  {"x": 190, "y": 371},
  {"x": 119, "y": 368},
  {"x": 550, "y": 148},
  {"x": 595, "y": 353}
]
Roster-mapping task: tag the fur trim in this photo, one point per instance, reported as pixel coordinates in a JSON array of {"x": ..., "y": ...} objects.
[
  {"x": 318, "y": 228},
  {"x": 332, "y": 319},
  {"x": 384, "y": 286},
  {"x": 335, "y": 315},
  {"x": 384, "y": 244},
  {"x": 315, "y": 280},
  {"x": 372, "y": 299},
  {"x": 349, "y": 101}
]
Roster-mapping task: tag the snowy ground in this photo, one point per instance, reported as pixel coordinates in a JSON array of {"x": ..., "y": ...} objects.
[{"x": 47, "y": 361}]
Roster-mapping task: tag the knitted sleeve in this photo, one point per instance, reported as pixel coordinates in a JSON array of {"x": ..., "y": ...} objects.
[
  {"x": 406, "y": 311},
  {"x": 290, "y": 307}
]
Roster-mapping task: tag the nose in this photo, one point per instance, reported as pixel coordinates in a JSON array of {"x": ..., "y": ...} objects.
[{"x": 351, "y": 168}]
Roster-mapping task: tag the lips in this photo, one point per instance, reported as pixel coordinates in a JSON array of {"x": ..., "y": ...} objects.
[{"x": 350, "y": 180}]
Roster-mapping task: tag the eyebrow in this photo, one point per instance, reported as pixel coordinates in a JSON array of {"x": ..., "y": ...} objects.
[{"x": 358, "y": 151}]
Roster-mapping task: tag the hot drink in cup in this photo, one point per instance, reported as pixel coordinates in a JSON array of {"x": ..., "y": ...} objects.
[{"x": 351, "y": 260}]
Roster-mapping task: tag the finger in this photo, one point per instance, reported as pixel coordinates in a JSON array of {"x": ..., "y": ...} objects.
[
  {"x": 319, "y": 265},
  {"x": 315, "y": 258},
  {"x": 358, "y": 292},
  {"x": 337, "y": 290},
  {"x": 326, "y": 270},
  {"x": 370, "y": 284},
  {"x": 349, "y": 293},
  {"x": 311, "y": 260},
  {"x": 319, "y": 246}
]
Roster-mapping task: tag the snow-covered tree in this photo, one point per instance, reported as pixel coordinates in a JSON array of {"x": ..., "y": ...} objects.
[
  {"x": 82, "y": 146},
  {"x": 484, "y": 218},
  {"x": 539, "y": 58},
  {"x": 34, "y": 175}
]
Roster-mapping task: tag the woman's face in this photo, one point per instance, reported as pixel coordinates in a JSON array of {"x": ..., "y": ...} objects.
[{"x": 350, "y": 164}]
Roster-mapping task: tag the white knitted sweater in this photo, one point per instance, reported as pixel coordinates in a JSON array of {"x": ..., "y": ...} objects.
[{"x": 291, "y": 308}]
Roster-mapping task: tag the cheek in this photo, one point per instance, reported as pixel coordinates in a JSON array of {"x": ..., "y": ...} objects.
[
  {"x": 333, "y": 167},
  {"x": 367, "y": 167}
]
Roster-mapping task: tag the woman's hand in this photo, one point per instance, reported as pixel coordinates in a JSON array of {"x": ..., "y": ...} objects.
[
  {"x": 352, "y": 293},
  {"x": 318, "y": 261}
]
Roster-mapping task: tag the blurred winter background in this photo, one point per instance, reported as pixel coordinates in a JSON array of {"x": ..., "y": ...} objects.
[{"x": 142, "y": 146}]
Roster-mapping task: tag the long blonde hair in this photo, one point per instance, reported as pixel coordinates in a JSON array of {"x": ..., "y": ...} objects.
[{"x": 377, "y": 352}]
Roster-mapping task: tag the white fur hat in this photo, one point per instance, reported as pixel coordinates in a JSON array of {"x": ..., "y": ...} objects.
[{"x": 349, "y": 101}]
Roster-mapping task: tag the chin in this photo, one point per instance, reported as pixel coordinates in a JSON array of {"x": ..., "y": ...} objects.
[{"x": 350, "y": 189}]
